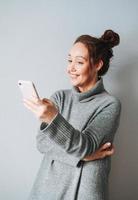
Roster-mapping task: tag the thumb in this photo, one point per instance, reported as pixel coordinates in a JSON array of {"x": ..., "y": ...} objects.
[{"x": 46, "y": 100}]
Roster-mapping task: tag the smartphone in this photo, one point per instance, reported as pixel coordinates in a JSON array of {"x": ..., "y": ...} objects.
[{"x": 27, "y": 89}]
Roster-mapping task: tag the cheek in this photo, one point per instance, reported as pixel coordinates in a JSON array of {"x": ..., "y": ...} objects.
[{"x": 84, "y": 72}]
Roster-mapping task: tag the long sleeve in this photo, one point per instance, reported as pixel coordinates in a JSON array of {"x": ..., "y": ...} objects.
[
  {"x": 80, "y": 144},
  {"x": 45, "y": 144}
]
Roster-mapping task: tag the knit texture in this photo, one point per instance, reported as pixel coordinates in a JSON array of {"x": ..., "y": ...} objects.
[{"x": 84, "y": 122}]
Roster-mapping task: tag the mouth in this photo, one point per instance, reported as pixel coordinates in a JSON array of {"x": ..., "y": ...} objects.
[{"x": 73, "y": 76}]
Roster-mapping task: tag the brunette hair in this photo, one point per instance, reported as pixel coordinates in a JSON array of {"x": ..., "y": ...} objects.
[{"x": 100, "y": 48}]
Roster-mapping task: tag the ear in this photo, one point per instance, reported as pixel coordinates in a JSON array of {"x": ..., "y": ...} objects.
[{"x": 99, "y": 65}]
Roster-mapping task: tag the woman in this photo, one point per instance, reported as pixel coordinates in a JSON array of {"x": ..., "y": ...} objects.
[{"x": 75, "y": 123}]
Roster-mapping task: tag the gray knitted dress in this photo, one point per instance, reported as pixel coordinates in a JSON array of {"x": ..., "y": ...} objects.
[{"x": 84, "y": 122}]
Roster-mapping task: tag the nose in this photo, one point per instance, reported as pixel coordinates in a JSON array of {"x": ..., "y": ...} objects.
[{"x": 72, "y": 67}]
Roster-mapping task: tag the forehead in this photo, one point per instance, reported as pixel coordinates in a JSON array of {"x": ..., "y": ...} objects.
[{"x": 79, "y": 50}]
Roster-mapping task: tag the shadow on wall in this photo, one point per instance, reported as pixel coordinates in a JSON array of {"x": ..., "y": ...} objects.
[{"x": 123, "y": 176}]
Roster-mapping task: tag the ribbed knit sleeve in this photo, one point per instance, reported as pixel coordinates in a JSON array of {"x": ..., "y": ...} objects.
[
  {"x": 45, "y": 144},
  {"x": 80, "y": 144}
]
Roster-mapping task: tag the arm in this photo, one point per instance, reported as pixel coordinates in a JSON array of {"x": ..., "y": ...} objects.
[
  {"x": 105, "y": 150},
  {"x": 81, "y": 144},
  {"x": 45, "y": 144}
]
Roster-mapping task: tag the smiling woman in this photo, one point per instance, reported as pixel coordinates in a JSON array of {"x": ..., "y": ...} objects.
[
  {"x": 82, "y": 74},
  {"x": 77, "y": 125}
]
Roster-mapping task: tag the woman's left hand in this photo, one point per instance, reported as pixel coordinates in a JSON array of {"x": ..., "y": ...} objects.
[
  {"x": 105, "y": 150},
  {"x": 44, "y": 109}
]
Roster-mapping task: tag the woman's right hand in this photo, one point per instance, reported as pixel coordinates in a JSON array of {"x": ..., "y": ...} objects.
[{"x": 105, "y": 150}]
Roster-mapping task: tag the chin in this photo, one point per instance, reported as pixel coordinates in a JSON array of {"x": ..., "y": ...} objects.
[{"x": 75, "y": 83}]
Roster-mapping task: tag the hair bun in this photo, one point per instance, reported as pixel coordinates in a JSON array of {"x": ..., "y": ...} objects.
[{"x": 111, "y": 38}]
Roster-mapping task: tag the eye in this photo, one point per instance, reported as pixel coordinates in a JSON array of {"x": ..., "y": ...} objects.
[
  {"x": 69, "y": 61},
  {"x": 81, "y": 63}
]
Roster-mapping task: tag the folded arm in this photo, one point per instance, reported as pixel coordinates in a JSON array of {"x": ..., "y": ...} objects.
[{"x": 81, "y": 144}]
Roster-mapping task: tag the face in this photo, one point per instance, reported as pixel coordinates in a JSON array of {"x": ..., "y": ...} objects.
[{"x": 82, "y": 74}]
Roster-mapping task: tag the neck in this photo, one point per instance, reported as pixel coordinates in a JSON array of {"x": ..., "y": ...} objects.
[
  {"x": 89, "y": 85},
  {"x": 90, "y": 94}
]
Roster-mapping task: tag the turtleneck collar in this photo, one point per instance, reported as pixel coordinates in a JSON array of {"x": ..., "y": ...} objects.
[{"x": 89, "y": 94}]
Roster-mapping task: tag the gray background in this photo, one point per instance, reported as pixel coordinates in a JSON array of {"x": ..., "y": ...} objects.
[{"x": 35, "y": 38}]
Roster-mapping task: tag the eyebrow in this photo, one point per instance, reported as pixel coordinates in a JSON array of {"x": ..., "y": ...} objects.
[{"x": 79, "y": 56}]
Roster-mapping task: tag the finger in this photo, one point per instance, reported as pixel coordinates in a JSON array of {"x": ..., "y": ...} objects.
[
  {"x": 109, "y": 153},
  {"x": 30, "y": 103},
  {"x": 36, "y": 99},
  {"x": 27, "y": 106},
  {"x": 112, "y": 151},
  {"x": 105, "y": 146},
  {"x": 30, "y": 108}
]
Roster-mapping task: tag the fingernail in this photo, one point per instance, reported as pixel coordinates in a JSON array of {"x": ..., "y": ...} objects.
[{"x": 108, "y": 143}]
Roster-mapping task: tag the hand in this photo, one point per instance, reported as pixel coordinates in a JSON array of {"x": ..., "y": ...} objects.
[
  {"x": 105, "y": 150},
  {"x": 44, "y": 109}
]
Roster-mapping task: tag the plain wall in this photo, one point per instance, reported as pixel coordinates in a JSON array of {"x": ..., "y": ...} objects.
[{"x": 35, "y": 38}]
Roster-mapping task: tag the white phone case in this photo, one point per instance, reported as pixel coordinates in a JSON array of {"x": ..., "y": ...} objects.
[{"x": 28, "y": 89}]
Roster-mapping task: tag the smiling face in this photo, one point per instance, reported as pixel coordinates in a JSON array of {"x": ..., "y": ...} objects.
[{"x": 83, "y": 74}]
